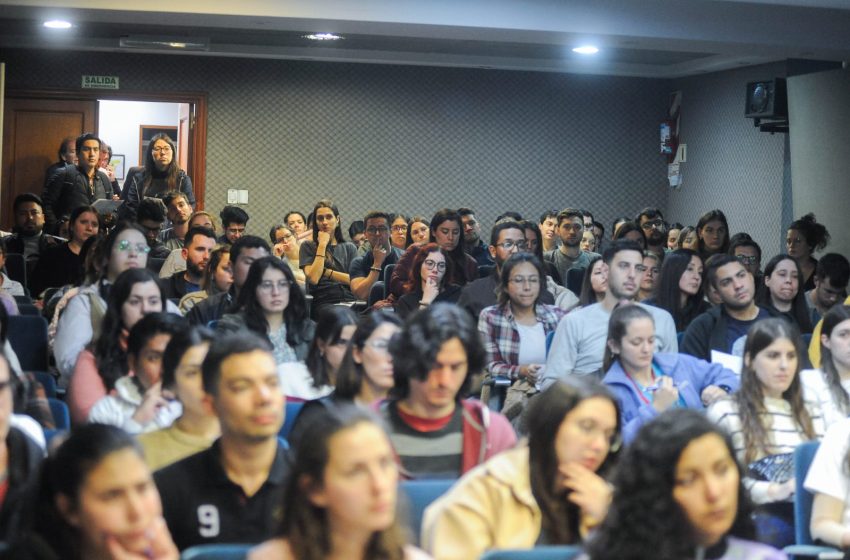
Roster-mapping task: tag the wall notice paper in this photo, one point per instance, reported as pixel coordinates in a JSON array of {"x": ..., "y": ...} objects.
[
  {"x": 674, "y": 175},
  {"x": 735, "y": 363}
]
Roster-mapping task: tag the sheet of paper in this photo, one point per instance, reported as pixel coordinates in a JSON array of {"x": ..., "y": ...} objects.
[{"x": 727, "y": 360}]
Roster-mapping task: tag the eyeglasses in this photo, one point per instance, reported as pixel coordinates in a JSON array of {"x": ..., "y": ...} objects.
[
  {"x": 399, "y": 228},
  {"x": 747, "y": 259},
  {"x": 508, "y": 245},
  {"x": 658, "y": 224},
  {"x": 522, "y": 280},
  {"x": 268, "y": 286},
  {"x": 375, "y": 230},
  {"x": 161, "y": 150},
  {"x": 431, "y": 265},
  {"x": 382, "y": 344},
  {"x": 591, "y": 430},
  {"x": 125, "y": 245}
]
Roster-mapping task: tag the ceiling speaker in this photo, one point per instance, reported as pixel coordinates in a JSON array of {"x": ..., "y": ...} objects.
[{"x": 766, "y": 99}]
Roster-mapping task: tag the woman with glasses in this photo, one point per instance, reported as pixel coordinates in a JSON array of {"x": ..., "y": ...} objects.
[
  {"x": 552, "y": 491},
  {"x": 161, "y": 173},
  {"x": 428, "y": 281},
  {"x": 514, "y": 330},
  {"x": 398, "y": 231},
  {"x": 286, "y": 248}
]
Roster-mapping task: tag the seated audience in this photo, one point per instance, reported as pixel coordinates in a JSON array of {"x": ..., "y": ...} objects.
[
  {"x": 233, "y": 221},
  {"x": 435, "y": 432},
  {"x": 137, "y": 404},
  {"x": 175, "y": 262},
  {"x": 197, "y": 246},
  {"x": 767, "y": 418},
  {"x": 233, "y": 491},
  {"x": 688, "y": 239},
  {"x": 645, "y": 382},
  {"x": 356, "y": 233},
  {"x": 743, "y": 248},
  {"x": 630, "y": 231},
  {"x": 398, "y": 231},
  {"x": 651, "y": 221},
  {"x": 298, "y": 223},
  {"x": 334, "y": 329},
  {"x": 340, "y": 500},
  {"x": 679, "y": 287},
  {"x": 472, "y": 243},
  {"x": 552, "y": 491},
  {"x": 679, "y": 496},
  {"x": 63, "y": 264},
  {"x": 829, "y": 480},
  {"x": 783, "y": 296},
  {"x": 96, "y": 500},
  {"x": 29, "y": 235},
  {"x": 367, "y": 269},
  {"x": 579, "y": 342},
  {"x": 588, "y": 241},
  {"x": 197, "y": 426},
  {"x": 217, "y": 279},
  {"x": 594, "y": 283},
  {"x": 569, "y": 254},
  {"x": 286, "y": 248},
  {"x": 150, "y": 216},
  {"x": 428, "y": 282},
  {"x": 418, "y": 231},
  {"x": 673, "y": 231},
  {"x": 829, "y": 386},
  {"x": 548, "y": 224},
  {"x": 804, "y": 237},
  {"x": 564, "y": 298},
  {"x": 649, "y": 282},
  {"x": 178, "y": 210},
  {"x": 831, "y": 277},
  {"x": 8, "y": 286},
  {"x": 67, "y": 156},
  {"x": 713, "y": 232}
]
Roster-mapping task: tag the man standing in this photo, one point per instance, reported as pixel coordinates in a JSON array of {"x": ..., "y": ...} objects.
[
  {"x": 569, "y": 254},
  {"x": 200, "y": 243},
  {"x": 232, "y": 492},
  {"x": 435, "y": 432},
  {"x": 651, "y": 221},
  {"x": 579, "y": 342},
  {"x": 721, "y": 327},
  {"x": 473, "y": 244},
  {"x": 368, "y": 269},
  {"x": 29, "y": 238},
  {"x": 506, "y": 238},
  {"x": 179, "y": 211},
  {"x": 67, "y": 156},
  {"x": 74, "y": 186}
]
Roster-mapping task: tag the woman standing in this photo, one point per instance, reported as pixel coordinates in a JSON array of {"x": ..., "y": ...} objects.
[
  {"x": 428, "y": 282},
  {"x": 679, "y": 287},
  {"x": 829, "y": 386},
  {"x": 805, "y": 236},
  {"x": 783, "y": 294},
  {"x": 161, "y": 173}
]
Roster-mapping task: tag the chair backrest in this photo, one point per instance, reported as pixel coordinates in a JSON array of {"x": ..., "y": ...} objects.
[
  {"x": 536, "y": 553},
  {"x": 484, "y": 270},
  {"x": 28, "y": 309},
  {"x": 574, "y": 279},
  {"x": 388, "y": 274},
  {"x": 549, "y": 338},
  {"x": 16, "y": 268},
  {"x": 803, "y": 499},
  {"x": 292, "y": 411},
  {"x": 47, "y": 381},
  {"x": 420, "y": 494},
  {"x": 28, "y": 337},
  {"x": 216, "y": 552},
  {"x": 61, "y": 414},
  {"x": 376, "y": 293}
]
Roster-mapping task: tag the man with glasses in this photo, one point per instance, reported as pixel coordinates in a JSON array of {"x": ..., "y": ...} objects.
[
  {"x": 150, "y": 216},
  {"x": 651, "y": 221},
  {"x": 369, "y": 268},
  {"x": 569, "y": 254},
  {"x": 506, "y": 238},
  {"x": 748, "y": 253},
  {"x": 579, "y": 342},
  {"x": 29, "y": 238},
  {"x": 473, "y": 244},
  {"x": 233, "y": 220}
]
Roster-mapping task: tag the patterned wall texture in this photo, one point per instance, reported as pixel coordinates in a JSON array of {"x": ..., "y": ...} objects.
[
  {"x": 408, "y": 139},
  {"x": 731, "y": 165}
]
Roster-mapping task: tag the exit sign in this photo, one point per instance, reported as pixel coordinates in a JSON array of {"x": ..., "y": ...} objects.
[{"x": 100, "y": 82}]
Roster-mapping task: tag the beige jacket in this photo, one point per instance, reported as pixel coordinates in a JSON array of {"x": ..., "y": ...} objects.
[{"x": 490, "y": 507}]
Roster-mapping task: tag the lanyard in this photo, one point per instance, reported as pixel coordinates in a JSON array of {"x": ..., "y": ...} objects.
[{"x": 638, "y": 389}]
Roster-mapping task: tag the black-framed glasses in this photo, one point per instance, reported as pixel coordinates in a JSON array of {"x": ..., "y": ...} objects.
[
  {"x": 431, "y": 265},
  {"x": 509, "y": 244}
]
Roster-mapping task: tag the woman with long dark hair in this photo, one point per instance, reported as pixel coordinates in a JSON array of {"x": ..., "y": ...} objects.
[
  {"x": 713, "y": 231},
  {"x": 418, "y": 231},
  {"x": 783, "y": 293},
  {"x": 595, "y": 282},
  {"x": 365, "y": 376},
  {"x": 398, "y": 231},
  {"x": 334, "y": 329},
  {"x": 63, "y": 265},
  {"x": 429, "y": 281},
  {"x": 767, "y": 418},
  {"x": 160, "y": 174},
  {"x": 829, "y": 386},
  {"x": 804, "y": 237},
  {"x": 551, "y": 491},
  {"x": 679, "y": 289},
  {"x": 680, "y": 495},
  {"x": 340, "y": 498}
]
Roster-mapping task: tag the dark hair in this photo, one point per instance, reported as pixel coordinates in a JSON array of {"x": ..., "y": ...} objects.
[
  {"x": 172, "y": 171},
  {"x": 291, "y": 212},
  {"x": 225, "y": 346},
  {"x": 627, "y": 228},
  {"x": 79, "y": 211},
  {"x": 247, "y": 242},
  {"x": 650, "y": 213},
  {"x": 711, "y": 216},
  {"x": 151, "y": 209},
  {"x": 458, "y": 255},
  {"x": 24, "y": 198},
  {"x": 618, "y": 246},
  {"x": 376, "y": 215},
  {"x": 349, "y": 378},
  {"x": 601, "y": 228},
  {"x": 464, "y": 211},
  {"x": 835, "y": 267},
  {"x": 180, "y": 343},
  {"x": 85, "y": 137},
  {"x": 304, "y": 524},
  {"x": 64, "y": 472},
  {"x": 356, "y": 228},
  {"x": 196, "y": 231},
  {"x": 715, "y": 262},
  {"x": 618, "y": 221},
  {"x": 817, "y": 237},
  {"x": 327, "y": 203},
  {"x": 111, "y": 359},
  {"x": 832, "y": 318},
  {"x": 528, "y": 225},
  {"x": 329, "y": 324},
  {"x": 151, "y": 325},
  {"x": 410, "y": 222},
  {"x": 414, "y": 279},
  {"x": 104, "y": 250},
  {"x": 799, "y": 307},
  {"x": 570, "y": 213},
  {"x": 674, "y": 225},
  {"x": 273, "y": 232},
  {"x": 739, "y": 241},
  {"x": 587, "y": 295},
  {"x": 750, "y": 397},
  {"x": 513, "y": 261},
  {"x": 683, "y": 234},
  {"x": 644, "y": 520},
  {"x": 509, "y": 215},
  {"x": 416, "y": 347},
  {"x": 668, "y": 295},
  {"x": 618, "y": 325},
  {"x": 501, "y": 226},
  {"x": 170, "y": 196},
  {"x": 208, "y": 281},
  {"x": 233, "y": 215},
  {"x": 295, "y": 313},
  {"x": 63, "y": 147},
  {"x": 548, "y": 214},
  {"x": 546, "y": 413}
]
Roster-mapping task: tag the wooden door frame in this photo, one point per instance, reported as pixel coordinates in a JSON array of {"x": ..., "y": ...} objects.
[{"x": 197, "y": 99}]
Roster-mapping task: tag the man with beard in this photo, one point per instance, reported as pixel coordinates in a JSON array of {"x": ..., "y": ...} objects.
[
  {"x": 29, "y": 238},
  {"x": 506, "y": 238},
  {"x": 721, "y": 327},
  {"x": 473, "y": 245},
  {"x": 200, "y": 243},
  {"x": 178, "y": 209},
  {"x": 651, "y": 222},
  {"x": 369, "y": 268},
  {"x": 569, "y": 254},
  {"x": 579, "y": 342}
]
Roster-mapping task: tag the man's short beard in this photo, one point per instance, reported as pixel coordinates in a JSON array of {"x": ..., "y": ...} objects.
[{"x": 194, "y": 270}]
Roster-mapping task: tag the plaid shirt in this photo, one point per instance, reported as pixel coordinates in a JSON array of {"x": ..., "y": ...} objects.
[{"x": 501, "y": 338}]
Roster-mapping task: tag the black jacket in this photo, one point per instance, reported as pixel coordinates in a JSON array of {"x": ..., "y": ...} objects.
[
  {"x": 25, "y": 458},
  {"x": 69, "y": 189},
  {"x": 707, "y": 332},
  {"x": 134, "y": 187}
]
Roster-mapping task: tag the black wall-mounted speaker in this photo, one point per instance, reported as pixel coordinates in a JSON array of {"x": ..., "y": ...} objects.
[{"x": 767, "y": 99}]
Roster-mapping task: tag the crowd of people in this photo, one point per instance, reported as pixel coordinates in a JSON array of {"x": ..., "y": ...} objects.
[{"x": 638, "y": 394}]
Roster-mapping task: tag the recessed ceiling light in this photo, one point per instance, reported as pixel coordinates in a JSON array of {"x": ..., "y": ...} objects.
[
  {"x": 586, "y": 49},
  {"x": 57, "y": 24},
  {"x": 323, "y": 37}
]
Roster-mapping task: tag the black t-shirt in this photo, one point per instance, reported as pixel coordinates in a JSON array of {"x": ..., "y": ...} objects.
[{"x": 201, "y": 505}]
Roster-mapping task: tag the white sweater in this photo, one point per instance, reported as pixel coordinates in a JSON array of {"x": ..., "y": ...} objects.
[{"x": 118, "y": 408}]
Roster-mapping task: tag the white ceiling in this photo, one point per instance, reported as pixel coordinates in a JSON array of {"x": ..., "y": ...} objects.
[{"x": 648, "y": 38}]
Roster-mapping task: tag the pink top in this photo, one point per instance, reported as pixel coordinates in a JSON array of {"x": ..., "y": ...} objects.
[{"x": 85, "y": 388}]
